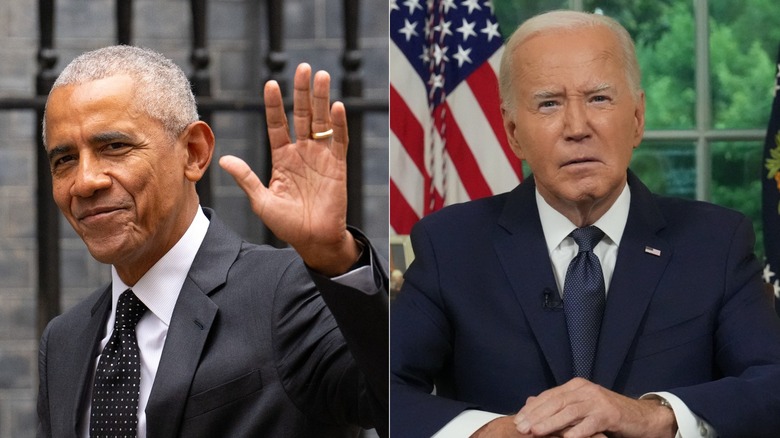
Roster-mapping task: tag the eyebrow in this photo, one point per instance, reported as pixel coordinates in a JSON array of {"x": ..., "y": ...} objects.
[
  {"x": 547, "y": 94},
  {"x": 600, "y": 87},
  {"x": 108, "y": 137}
]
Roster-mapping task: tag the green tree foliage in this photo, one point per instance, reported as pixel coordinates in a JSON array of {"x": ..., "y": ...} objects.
[
  {"x": 667, "y": 64},
  {"x": 645, "y": 20},
  {"x": 742, "y": 75},
  {"x": 743, "y": 45},
  {"x": 751, "y": 21},
  {"x": 510, "y": 13}
]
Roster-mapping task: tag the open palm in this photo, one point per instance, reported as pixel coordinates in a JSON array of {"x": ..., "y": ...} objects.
[{"x": 305, "y": 201}]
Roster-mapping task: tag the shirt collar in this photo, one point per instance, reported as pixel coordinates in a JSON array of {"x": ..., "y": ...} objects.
[
  {"x": 557, "y": 227},
  {"x": 159, "y": 288}
]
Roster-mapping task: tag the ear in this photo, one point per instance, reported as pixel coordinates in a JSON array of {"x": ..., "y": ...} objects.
[
  {"x": 639, "y": 119},
  {"x": 200, "y": 147},
  {"x": 510, "y": 127}
]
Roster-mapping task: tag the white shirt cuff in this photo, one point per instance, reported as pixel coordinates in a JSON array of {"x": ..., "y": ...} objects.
[
  {"x": 361, "y": 279},
  {"x": 689, "y": 425},
  {"x": 465, "y": 424}
]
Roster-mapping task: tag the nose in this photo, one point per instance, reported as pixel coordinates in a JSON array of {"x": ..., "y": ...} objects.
[
  {"x": 91, "y": 177},
  {"x": 576, "y": 127}
]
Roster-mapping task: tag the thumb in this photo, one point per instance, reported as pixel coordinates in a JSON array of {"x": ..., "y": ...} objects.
[{"x": 246, "y": 179}]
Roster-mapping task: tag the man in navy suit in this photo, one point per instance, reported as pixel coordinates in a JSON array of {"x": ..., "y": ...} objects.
[
  {"x": 480, "y": 344},
  {"x": 237, "y": 339}
]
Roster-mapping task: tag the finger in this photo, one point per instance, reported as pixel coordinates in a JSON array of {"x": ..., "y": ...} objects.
[
  {"x": 275, "y": 116},
  {"x": 302, "y": 101},
  {"x": 545, "y": 404},
  {"x": 321, "y": 102},
  {"x": 572, "y": 385},
  {"x": 340, "y": 131},
  {"x": 574, "y": 405},
  {"x": 539, "y": 410},
  {"x": 565, "y": 434},
  {"x": 551, "y": 417},
  {"x": 246, "y": 179},
  {"x": 588, "y": 427}
]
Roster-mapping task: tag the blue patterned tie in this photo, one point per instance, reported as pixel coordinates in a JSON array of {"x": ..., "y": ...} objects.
[
  {"x": 584, "y": 297},
  {"x": 117, "y": 378}
]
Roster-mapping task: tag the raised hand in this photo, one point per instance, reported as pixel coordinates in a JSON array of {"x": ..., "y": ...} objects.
[{"x": 305, "y": 202}]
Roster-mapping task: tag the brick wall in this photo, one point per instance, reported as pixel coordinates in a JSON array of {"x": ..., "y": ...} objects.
[{"x": 237, "y": 45}]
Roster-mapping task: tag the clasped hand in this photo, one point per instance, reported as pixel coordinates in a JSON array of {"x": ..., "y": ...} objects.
[
  {"x": 581, "y": 409},
  {"x": 305, "y": 201}
]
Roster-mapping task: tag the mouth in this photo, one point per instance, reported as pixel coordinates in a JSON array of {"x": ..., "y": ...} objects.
[
  {"x": 96, "y": 213},
  {"x": 584, "y": 160}
]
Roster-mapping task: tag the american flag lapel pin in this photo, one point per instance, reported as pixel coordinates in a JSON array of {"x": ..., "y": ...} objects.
[{"x": 653, "y": 251}]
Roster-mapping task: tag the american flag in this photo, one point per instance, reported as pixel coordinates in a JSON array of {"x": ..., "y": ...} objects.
[
  {"x": 771, "y": 194},
  {"x": 447, "y": 141}
]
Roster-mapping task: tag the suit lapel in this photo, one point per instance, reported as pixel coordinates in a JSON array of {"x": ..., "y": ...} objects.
[
  {"x": 522, "y": 250},
  {"x": 191, "y": 322},
  {"x": 642, "y": 259},
  {"x": 77, "y": 379}
]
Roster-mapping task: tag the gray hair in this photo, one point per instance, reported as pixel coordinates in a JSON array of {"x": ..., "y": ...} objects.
[
  {"x": 566, "y": 20},
  {"x": 163, "y": 91}
]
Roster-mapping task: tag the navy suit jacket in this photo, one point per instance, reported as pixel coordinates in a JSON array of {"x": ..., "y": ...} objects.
[
  {"x": 252, "y": 350},
  {"x": 477, "y": 315}
]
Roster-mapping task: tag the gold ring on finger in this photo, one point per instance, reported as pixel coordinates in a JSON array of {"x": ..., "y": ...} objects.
[{"x": 322, "y": 135}]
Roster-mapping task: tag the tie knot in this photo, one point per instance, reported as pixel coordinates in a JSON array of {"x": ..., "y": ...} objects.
[
  {"x": 587, "y": 238},
  {"x": 129, "y": 310}
]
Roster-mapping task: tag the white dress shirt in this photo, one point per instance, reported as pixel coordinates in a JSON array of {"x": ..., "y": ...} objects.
[
  {"x": 159, "y": 289},
  {"x": 562, "y": 249}
]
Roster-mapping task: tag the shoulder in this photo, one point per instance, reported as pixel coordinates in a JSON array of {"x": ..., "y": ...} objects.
[
  {"x": 266, "y": 261},
  {"x": 678, "y": 214},
  {"x": 702, "y": 227},
  {"x": 75, "y": 319},
  {"x": 86, "y": 307},
  {"x": 698, "y": 214},
  {"x": 465, "y": 216},
  {"x": 225, "y": 256}
]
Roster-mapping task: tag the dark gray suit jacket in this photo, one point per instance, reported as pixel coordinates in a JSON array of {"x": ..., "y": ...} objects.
[{"x": 252, "y": 350}]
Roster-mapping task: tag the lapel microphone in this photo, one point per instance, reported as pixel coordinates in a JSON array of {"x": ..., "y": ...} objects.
[{"x": 551, "y": 300}]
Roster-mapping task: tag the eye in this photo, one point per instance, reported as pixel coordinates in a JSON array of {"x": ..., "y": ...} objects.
[
  {"x": 115, "y": 147},
  {"x": 548, "y": 106},
  {"x": 600, "y": 98},
  {"x": 63, "y": 159}
]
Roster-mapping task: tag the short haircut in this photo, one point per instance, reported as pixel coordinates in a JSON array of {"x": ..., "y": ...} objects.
[
  {"x": 163, "y": 91},
  {"x": 566, "y": 20}
]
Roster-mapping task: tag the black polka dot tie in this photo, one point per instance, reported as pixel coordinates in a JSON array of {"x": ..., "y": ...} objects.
[
  {"x": 584, "y": 297},
  {"x": 118, "y": 375}
]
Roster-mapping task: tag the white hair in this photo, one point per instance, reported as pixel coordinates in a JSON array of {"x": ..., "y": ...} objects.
[
  {"x": 163, "y": 91},
  {"x": 563, "y": 20}
]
